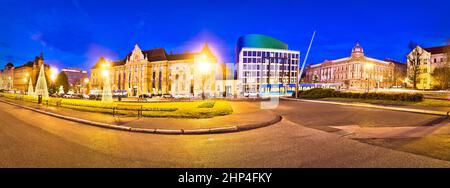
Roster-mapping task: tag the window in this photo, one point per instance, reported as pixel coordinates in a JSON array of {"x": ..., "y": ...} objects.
[
  {"x": 259, "y": 54},
  {"x": 254, "y": 53},
  {"x": 245, "y": 60},
  {"x": 245, "y": 53}
]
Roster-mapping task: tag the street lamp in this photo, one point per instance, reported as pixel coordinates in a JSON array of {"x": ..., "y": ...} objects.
[
  {"x": 204, "y": 68},
  {"x": 86, "y": 83},
  {"x": 368, "y": 67},
  {"x": 53, "y": 75}
]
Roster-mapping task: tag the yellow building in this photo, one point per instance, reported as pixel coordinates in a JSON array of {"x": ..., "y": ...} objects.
[
  {"x": 421, "y": 64},
  {"x": 22, "y": 74},
  {"x": 156, "y": 72}
]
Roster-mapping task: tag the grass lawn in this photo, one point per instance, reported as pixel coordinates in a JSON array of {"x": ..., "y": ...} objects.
[
  {"x": 425, "y": 102},
  {"x": 194, "y": 109},
  {"x": 436, "y": 146}
]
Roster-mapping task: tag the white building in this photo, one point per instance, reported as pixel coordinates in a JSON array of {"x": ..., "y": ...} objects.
[
  {"x": 265, "y": 65},
  {"x": 426, "y": 59}
]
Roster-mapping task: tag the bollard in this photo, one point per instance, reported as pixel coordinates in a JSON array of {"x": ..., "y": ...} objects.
[{"x": 39, "y": 99}]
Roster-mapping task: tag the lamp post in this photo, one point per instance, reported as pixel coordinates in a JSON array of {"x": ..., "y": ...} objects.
[
  {"x": 204, "y": 68},
  {"x": 86, "y": 84},
  {"x": 53, "y": 75},
  {"x": 368, "y": 68}
]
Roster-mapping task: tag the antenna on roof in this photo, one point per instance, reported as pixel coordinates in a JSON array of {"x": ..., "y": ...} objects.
[{"x": 299, "y": 74}]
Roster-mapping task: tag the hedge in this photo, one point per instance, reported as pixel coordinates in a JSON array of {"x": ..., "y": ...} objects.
[{"x": 319, "y": 93}]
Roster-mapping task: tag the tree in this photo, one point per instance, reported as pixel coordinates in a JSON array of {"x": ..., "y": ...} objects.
[
  {"x": 441, "y": 76},
  {"x": 62, "y": 80},
  {"x": 414, "y": 63}
]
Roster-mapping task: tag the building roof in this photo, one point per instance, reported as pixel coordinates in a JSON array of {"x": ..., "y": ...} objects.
[
  {"x": 259, "y": 41},
  {"x": 158, "y": 54},
  {"x": 438, "y": 49}
]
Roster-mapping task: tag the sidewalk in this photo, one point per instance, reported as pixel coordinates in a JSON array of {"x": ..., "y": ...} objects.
[
  {"x": 355, "y": 131},
  {"x": 246, "y": 116}
]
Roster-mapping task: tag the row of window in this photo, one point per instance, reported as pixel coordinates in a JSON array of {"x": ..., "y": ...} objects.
[
  {"x": 264, "y": 60},
  {"x": 272, "y": 74},
  {"x": 267, "y": 67},
  {"x": 264, "y": 81},
  {"x": 270, "y": 54}
]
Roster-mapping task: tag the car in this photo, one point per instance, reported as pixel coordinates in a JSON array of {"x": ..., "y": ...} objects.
[
  {"x": 251, "y": 95},
  {"x": 167, "y": 96},
  {"x": 145, "y": 96}
]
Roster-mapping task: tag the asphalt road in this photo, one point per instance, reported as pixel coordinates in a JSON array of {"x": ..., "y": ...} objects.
[
  {"x": 30, "y": 139},
  {"x": 317, "y": 115}
]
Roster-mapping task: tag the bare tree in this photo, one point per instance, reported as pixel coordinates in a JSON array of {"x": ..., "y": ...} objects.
[{"x": 414, "y": 63}]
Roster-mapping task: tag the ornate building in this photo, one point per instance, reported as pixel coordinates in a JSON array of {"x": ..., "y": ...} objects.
[
  {"x": 17, "y": 78},
  {"x": 156, "y": 72},
  {"x": 355, "y": 72},
  {"x": 6, "y": 77}
]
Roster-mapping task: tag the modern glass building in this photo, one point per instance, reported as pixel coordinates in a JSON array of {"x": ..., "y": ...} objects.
[{"x": 265, "y": 65}]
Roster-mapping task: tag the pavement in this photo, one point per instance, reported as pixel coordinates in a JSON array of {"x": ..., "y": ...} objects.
[
  {"x": 31, "y": 139},
  {"x": 354, "y": 131},
  {"x": 240, "y": 120}
]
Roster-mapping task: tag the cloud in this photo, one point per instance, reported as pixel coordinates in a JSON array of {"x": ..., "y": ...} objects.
[{"x": 66, "y": 39}]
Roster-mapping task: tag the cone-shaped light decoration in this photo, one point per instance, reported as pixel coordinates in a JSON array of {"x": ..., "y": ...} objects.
[
  {"x": 41, "y": 84},
  {"x": 30, "y": 88}
]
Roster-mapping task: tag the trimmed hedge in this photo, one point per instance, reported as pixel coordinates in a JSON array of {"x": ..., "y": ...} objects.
[
  {"x": 319, "y": 93},
  {"x": 207, "y": 104}
]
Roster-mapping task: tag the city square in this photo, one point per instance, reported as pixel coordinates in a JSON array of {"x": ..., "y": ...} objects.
[{"x": 205, "y": 97}]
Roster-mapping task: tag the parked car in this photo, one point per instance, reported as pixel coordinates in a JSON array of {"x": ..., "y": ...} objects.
[
  {"x": 167, "y": 96},
  {"x": 145, "y": 96},
  {"x": 251, "y": 95}
]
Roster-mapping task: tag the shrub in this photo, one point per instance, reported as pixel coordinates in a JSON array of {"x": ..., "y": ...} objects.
[
  {"x": 207, "y": 104},
  {"x": 319, "y": 93}
]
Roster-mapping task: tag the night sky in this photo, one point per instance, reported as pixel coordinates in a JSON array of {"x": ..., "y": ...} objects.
[{"x": 75, "y": 33}]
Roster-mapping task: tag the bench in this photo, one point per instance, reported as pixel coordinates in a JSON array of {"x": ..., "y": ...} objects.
[
  {"x": 57, "y": 102},
  {"x": 136, "y": 107}
]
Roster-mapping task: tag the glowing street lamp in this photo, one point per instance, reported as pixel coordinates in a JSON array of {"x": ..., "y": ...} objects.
[
  {"x": 53, "y": 75},
  {"x": 368, "y": 67},
  {"x": 204, "y": 67}
]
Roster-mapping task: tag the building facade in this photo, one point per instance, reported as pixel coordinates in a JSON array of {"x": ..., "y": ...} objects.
[
  {"x": 18, "y": 78},
  {"x": 422, "y": 62},
  {"x": 6, "y": 77},
  {"x": 158, "y": 73},
  {"x": 76, "y": 78},
  {"x": 265, "y": 65},
  {"x": 355, "y": 72}
]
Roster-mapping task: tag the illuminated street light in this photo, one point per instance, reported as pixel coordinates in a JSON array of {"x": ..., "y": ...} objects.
[
  {"x": 53, "y": 75},
  {"x": 368, "y": 67},
  {"x": 204, "y": 68}
]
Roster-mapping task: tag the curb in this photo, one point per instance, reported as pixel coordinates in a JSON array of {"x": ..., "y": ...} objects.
[
  {"x": 429, "y": 112},
  {"x": 219, "y": 130}
]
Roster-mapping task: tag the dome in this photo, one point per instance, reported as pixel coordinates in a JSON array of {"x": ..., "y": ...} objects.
[
  {"x": 357, "y": 51},
  {"x": 9, "y": 65}
]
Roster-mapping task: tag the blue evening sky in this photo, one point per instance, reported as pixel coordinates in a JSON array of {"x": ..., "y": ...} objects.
[{"x": 75, "y": 33}]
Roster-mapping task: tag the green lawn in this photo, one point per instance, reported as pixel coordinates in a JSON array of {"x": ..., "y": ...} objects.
[
  {"x": 425, "y": 102},
  {"x": 437, "y": 146},
  {"x": 194, "y": 109}
]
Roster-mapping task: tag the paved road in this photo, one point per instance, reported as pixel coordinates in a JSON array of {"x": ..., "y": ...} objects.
[
  {"x": 29, "y": 139},
  {"x": 314, "y": 114}
]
